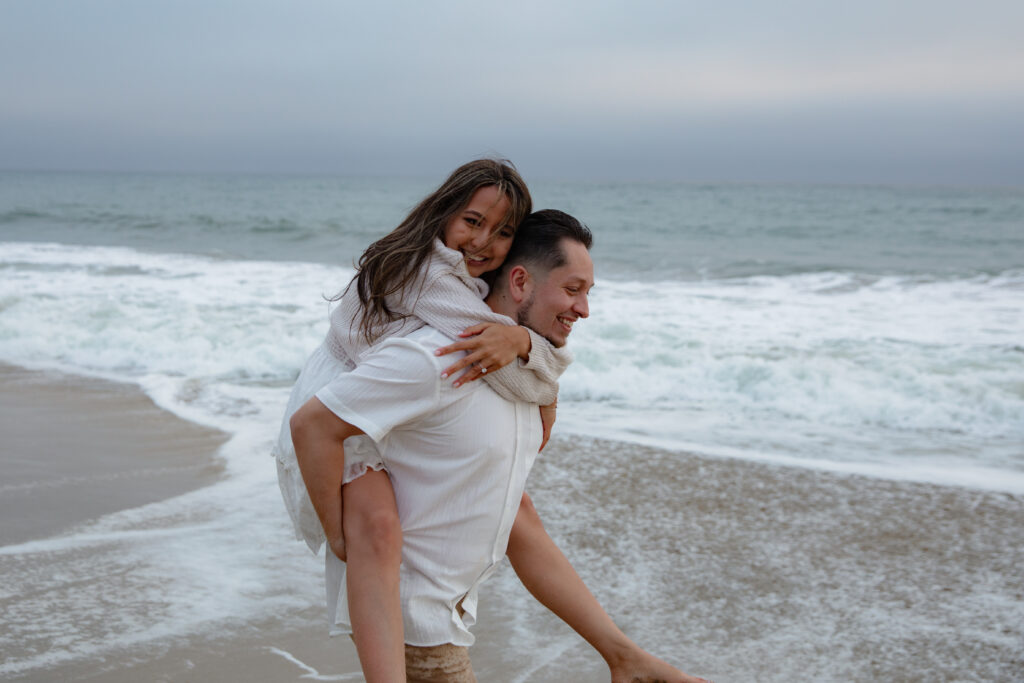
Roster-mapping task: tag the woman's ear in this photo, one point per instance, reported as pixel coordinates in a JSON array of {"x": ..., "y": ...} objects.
[{"x": 519, "y": 284}]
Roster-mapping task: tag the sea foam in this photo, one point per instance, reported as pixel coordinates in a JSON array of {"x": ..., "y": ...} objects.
[{"x": 910, "y": 372}]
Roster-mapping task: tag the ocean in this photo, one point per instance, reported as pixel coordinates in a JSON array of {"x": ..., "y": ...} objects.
[
  {"x": 875, "y": 329},
  {"x": 872, "y": 330}
]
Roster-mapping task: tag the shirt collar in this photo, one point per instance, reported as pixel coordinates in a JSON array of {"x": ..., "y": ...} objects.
[{"x": 457, "y": 261}]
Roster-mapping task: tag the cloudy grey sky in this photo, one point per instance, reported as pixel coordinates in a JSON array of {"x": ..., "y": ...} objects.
[{"x": 916, "y": 91}]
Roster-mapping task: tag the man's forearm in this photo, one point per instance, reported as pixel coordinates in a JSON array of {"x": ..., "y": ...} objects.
[
  {"x": 318, "y": 436},
  {"x": 548, "y": 575}
]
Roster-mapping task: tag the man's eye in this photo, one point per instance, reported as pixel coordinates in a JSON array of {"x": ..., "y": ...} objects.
[{"x": 572, "y": 290}]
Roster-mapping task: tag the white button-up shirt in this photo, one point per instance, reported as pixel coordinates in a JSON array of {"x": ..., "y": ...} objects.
[{"x": 458, "y": 460}]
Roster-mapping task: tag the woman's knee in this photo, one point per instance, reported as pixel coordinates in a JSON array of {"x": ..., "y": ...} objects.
[
  {"x": 380, "y": 524},
  {"x": 372, "y": 525}
]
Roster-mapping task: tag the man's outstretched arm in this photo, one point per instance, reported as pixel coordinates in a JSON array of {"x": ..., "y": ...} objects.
[{"x": 548, "y": 575}]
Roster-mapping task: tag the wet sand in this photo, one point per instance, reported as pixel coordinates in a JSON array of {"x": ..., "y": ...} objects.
[
  {"x": 732, "y": 570},
  {"x": 777, "y": 573},
  {"x": 74, "y": 449}
]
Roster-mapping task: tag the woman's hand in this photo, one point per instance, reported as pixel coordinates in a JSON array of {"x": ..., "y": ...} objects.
[
  {"x": 547, "y": 419},
  {"x": 489, "y": 347}
]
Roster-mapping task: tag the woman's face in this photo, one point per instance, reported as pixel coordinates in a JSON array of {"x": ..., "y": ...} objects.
[{"x": 479, "y": 231}]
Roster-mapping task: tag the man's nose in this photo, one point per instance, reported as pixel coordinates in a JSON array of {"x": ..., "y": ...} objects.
[{"x": 582, "y": 307}]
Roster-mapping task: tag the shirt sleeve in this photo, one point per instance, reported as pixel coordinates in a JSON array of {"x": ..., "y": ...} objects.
[
  {"x": 394, "y": 384},
  {"x": 449, "y": 306}
]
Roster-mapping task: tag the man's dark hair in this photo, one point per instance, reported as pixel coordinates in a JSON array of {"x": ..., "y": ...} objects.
[{"x": 538, "y": 243}]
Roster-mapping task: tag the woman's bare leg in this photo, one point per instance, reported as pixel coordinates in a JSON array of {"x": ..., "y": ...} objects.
[{"x": 373, "y": 544}]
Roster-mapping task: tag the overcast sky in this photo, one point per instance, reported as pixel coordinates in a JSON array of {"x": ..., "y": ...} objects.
[{"x": 915, "y": 91}]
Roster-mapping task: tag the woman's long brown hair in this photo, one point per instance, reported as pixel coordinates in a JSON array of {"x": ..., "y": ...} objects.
[{"x": 393, "y": 262}]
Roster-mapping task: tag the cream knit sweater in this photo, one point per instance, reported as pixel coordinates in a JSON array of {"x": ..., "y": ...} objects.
[
  {"x": 443, "y": 296},
  {"x": 448, "y": 299}
]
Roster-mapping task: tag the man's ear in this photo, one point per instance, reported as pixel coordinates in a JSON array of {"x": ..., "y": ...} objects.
[{"x": 519, "y": 284}]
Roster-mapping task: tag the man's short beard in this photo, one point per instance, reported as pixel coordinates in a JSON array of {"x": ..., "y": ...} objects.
[
  {"x": 523, "y": 312},
  {"x": 523, "y": 317}
]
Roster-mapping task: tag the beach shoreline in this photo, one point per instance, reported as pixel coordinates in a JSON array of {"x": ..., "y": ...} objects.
[
  {"x": 729, "y": 569},
  {"x": 76, "y": 448}
]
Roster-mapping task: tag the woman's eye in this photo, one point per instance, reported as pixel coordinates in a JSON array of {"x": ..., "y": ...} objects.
[{"x": 507, "y": 233}]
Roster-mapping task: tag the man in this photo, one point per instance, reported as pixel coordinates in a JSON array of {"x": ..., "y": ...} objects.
[{"x": 458, "y": 461}]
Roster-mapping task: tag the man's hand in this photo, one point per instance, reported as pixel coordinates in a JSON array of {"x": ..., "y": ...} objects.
[
  {"x": 336, "y": 541},
  {"x": 338, "y": 547},
  {"x": 547, "y": 420},
  {"x": 642, "y": 667}
]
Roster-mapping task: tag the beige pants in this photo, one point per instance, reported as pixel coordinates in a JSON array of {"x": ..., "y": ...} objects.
[{"x": 438, "y": 664}]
